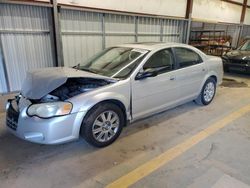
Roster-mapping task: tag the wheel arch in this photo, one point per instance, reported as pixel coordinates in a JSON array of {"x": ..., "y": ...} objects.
[
  {"x": 113, "y": 101},
  {"x": 117, "y": 102},
  {"x": 214, "y": 77},
  {"x": 211, "y": 75}
]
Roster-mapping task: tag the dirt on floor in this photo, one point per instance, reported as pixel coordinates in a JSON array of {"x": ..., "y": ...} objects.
[{"x": 228, "y": 82}]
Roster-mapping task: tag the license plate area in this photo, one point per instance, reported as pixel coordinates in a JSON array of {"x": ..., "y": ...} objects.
[{"x": 12, "y": 116}]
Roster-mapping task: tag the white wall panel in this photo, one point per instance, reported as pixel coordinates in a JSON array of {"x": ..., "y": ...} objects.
[
  {"x": 148, "y": 38},
  {"x": 171, "y": 39},
  {"x": 73, "y": 20},
  {"x": 247, "y": 17},
  {"x": 216, "y": 10},
  {"x": 119, "y": 29},
  {"x": 119, "y": 23},
  {"x": 78, "y": 48},
  {"x": 26, "y": 42},
  {"x": 24, "y": 53},
  {"x": 114, "y": 40},
  {"x": 155, "y": 7},
  {"x": 149, "y": 25},
  {"x": 81, "y": 35}
]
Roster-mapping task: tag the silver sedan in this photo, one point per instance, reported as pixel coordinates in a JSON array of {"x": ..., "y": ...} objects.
[{"x": 121, "y": 84}]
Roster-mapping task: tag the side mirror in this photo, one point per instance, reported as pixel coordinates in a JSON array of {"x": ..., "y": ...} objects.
[{"x": 145, "y": 74}]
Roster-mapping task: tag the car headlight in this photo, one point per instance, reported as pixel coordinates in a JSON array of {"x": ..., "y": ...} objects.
[{"x": 47, "y": 110}]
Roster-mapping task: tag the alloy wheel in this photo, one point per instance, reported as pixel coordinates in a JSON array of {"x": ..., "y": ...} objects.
[{"x": 105, "y": 126}]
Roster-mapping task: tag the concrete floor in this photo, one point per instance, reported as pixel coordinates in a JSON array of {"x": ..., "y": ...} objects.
[{"x": 221, "y": 160}]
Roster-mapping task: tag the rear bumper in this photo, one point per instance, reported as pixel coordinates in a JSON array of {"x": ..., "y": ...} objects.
[{"x": 44, "y": 131}]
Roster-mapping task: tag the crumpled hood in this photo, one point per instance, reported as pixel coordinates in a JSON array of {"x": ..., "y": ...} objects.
[
  {"x": 238, "y": 54},
  {"x": 40, "y": 82}
]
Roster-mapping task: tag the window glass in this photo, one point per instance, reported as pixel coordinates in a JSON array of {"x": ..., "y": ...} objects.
[
  {"x": 113, "y": 62},
  {"x": 162, "y": 61},
  {"x": 187, "y": 57},
  {"x": 246, "y": 46},
  {"x": 125, "y": 72}
]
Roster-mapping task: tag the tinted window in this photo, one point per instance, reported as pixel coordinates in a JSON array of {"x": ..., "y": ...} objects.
[
  {"x": 162, "y": 61},
  {"x": 187, "y": 57}
]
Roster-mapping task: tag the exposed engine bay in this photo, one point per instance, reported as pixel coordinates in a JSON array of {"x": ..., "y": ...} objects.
[{"x": 73, "y": 87}]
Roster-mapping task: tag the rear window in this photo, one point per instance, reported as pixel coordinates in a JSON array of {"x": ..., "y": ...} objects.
[{"x": 187, "y": 57}]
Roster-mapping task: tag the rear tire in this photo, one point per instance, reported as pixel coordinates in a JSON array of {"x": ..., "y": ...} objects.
[
  {"x": 207, "y": 93},
  {"x": 103, "y": 124}
]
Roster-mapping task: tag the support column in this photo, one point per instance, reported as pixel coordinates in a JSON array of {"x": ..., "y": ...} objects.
[
  {"x": 161, "y": 30},
  {"x": 4, "y": 67},
  {"x": 189, "y": 17},
  {"x": 136, "y": 28},
  {"x": 57, "y": 33},
  {"x": 103, "y": 32},
  {"x": 242, "y": 19}
]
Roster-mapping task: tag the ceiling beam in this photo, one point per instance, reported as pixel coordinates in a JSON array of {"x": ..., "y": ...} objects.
[
  {"x": 243, "y": 12},
  {"x": 189, "y": 9}
]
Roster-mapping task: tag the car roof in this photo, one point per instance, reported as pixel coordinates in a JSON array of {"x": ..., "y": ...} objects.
[{"x": 151, "y": 45}]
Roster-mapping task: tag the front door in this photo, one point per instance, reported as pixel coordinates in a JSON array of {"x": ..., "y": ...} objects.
[{"x": 152, "y": 94}]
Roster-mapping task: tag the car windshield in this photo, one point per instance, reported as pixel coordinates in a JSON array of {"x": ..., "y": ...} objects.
[
  {"x": 246, "y": 46},
  {"x": 117, "y": 62}
]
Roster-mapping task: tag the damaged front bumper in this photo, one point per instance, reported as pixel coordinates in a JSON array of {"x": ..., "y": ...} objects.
[{"x": 44, "y": 131}]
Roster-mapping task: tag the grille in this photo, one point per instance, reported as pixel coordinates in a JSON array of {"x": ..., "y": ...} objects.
[{"x": 12, "y": 117}]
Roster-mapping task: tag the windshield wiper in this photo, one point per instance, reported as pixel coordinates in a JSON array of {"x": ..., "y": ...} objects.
[
  {"x": 76, "y": 66},
  {"x": 87, "y": 69}
]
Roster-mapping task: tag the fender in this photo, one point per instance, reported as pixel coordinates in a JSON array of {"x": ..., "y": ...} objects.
[
  {"x": 88, "y": 103},
  {"x": 209, "y": 74}
]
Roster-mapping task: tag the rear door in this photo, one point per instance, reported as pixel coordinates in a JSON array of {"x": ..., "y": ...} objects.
[{"x": 190, "y": 73}]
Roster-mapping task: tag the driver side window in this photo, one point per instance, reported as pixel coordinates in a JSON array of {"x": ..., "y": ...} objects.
[{"x": 161, "y": 61}]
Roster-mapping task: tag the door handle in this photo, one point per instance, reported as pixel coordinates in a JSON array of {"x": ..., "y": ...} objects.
[{"x": 203, "y": 69}]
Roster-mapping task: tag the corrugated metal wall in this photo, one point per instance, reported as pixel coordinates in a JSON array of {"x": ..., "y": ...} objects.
[
  {"x": 86, "y": 33},
  {"x": 81, "y": 35},
  {"x": 246, "y": 31},
  {"x": 25, "y": 41},
  {"x": 119, "y": 29}
]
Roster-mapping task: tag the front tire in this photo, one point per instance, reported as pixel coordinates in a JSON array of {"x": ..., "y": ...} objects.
[
  {"x": 207, "y": 93},
  {"x": 103, "y": 124}
]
